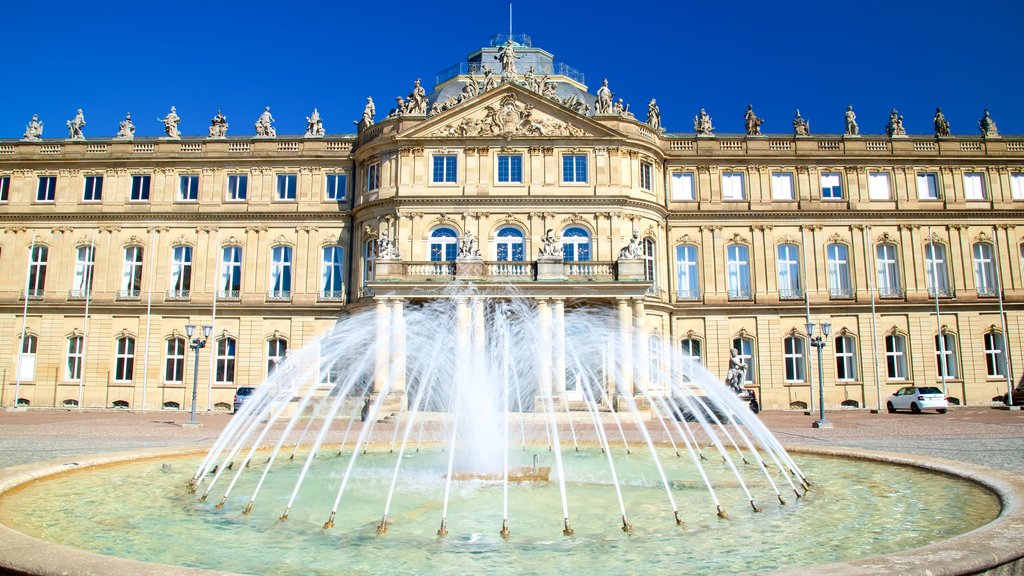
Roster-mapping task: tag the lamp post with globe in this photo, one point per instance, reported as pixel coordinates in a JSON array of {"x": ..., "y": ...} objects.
[
  {"x": 196, "y": 344},
  {"x": 820, "y": 342}
]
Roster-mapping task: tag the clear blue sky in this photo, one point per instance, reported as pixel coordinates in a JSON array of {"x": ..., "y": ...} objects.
[{"x": 114, "y": 57}]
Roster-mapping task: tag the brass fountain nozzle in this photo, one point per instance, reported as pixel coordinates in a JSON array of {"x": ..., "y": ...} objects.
[
  {"x": 382, "y": 529},
  {"x": 626, "y": 526},
  {"x": 722, "y": 513},
  {"x": 285, "y": 515},
  {"x": 755, "y": 506},
  {"x": 330, "y": 521},
  {"x": 781, "y": 501},
  {"x": 443, "y": 530},
  {"x": 221, "y": 503},
  {"x": 248, "y": 508},
  {"x": 568, "y": 531},
  {"x": 504, "y": 529}
]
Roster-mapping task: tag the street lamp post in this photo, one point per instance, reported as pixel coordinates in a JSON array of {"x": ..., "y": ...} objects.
[
  {"x": 196, "y": 344},
  {"x": 820, "y": 342}
]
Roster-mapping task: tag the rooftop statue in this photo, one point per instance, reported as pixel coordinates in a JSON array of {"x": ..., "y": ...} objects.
[
  {"x": 604, "y": 99},
  {"x": 368, "y": 113},
  {"x": 75, "y": 126},
  {"x": 549, "y": 89},
  {"x": 801, "y": 127},
  {"x": 633, "y": 250},
  {"x": 34, "y": 129},
  {"x": 734, "y": 376},
  {"x": 218, "y": 126},
  {"x": 531, "y": 81},
  {"x": 490, "y": 82},
  {"x": 265, "y": 124},
  {"x": 126, "y": 130},
  {"x": 895, "y": 125},
  {"x": 653, "y": 115},
  {"x": 852, "y": 129},
  {"x": 702, "y": 124},
  {"x": 507, "y": 56},
  {"x": 314, "y": 126},
  {"x": 752, "y": 122},
  {"x": 576, "y": 104},
  {"x": 416, "y": 104},
  {"x": 551, "y": 247},
  {"x": 988, "y": 126},
  {"x": 941, "y": 124},
  {"x": 470, "y": 90},
  {"x": 171, "y": 124},
  {"x": 399, "y": 108}
]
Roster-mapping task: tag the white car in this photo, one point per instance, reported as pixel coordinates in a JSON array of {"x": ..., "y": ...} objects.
[{"x": 917, "y": 398}]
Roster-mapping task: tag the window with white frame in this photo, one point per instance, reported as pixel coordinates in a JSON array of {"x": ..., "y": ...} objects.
[
  {"x": 444, "y": 245},
  {"x": 277, "y": 348},
  {"x": 1016, "y": 185},
  {"x": 287, "y": 185},
  {"x": 995, "y": 355},
  {"x": 839, "y": 285},
  {"x": 181, "y": 271},
  {"x": 131, "y": 272},
  {"x": 576, "y": 245},
  {"x": 782, "y": 186},
  {"x": 745, "y": 352},
  {"x": 510, "y": 168},
  {"x": 648, "y": 254},
  {"x": 945, "y": 356},
  {"x": 896, "y": 357},
  {"x": 124, "y": 360},
  {"x": 230, "y": 273},
  {"x": 238, "y": 187},
  {"x": 508, "y": 245},
  {"x": 831, "y": 186},
  {"x": 82, "y": 282},
  {"x": 93, "y": 191},
  {"x": 574, "y": 169},
  {"x": 27, "y": 363},
  {"x": 974, "y": 186},
  {"x": 793, "y": 359},
  {"x": 655, "y": 375},
  {"x": 336, "y": 187},
  {"x": 37, "y": 270},
  {"x": 984, "y": 269},
  {"x": 878, "y": 186},
  {"x": 280, "y": 272},
  {"x": 846, "y": 359},
  {"x": 445, "y": 169},
  {"x": 225, "y": 371},
  {"x": 369, "y": 258},
  {"x": 174, "y": 361},
  {"x": 682, "y": 187},
  {"x": 646, "y": 176},
  {"x": 928, "y": 186},
  {"x": 188, "y": 188},
  {"x": 691, "y": 357},
  {"x": 73, "y": 366},
  {"x": 5, "y": 188},
  {"x": 373, "y": 177},
  {"x": 732, "y": 186},
  {"x": 331, "y": 277},
  {"x": 888, "y": 270},
  {"x": 687, "y": 276},
  {"x": 936, "y": 269},
  {"x": 47, "y": 189},
  {"x": 140, "y": 188},
  {"x": 738, "y": 271},
  {"x": 789, "y": 271}
]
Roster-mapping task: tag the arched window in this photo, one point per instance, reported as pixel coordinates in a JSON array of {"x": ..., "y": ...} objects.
[
  {"x": 37, "y": 271},
  {"x": 225, "y": 373},
  {"x": 945, "y": 356},
  {"x": 789, "y": 272},
  {"x": 231, "y": 273},
  {"x": 936, "y": 269},
  {"x": 181, "y": 272},
  {"x": 839, "y": 271},
  {"x": 690, "y": 348},
  {"x": 73, "y": 367},
  {"x": 745, "y": 351},
  {"x": 27, "y": 367},
  {"x": 896, "y": 357},
  {"x": 332, "y": 273},
  {"x": 509, "y": 245},
  {"x": 846, "y": 359},
  {"x": 124, "y": 360},
  {"x": 995, "y": 355},
  {"x": 888, "y": 271},
  {"x": 795, "y": 360},
  {"x": 738, "y": 263},
  {"x": 576, "y": 245},
  {"x": 82, "y": 282},
  {"x": 687, "y": 275},
  {"x": 985, "y": 269},
  {"x": 280, "y": 273},
  {"x": 276, "y": 350},
  {"x": 444, "y": 245},
  {"x": 174, "y": 360},
  {"x": 131, "y": 273}
]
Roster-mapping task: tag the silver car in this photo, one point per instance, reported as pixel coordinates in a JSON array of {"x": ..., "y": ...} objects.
[{"x": 917, "y": 398}]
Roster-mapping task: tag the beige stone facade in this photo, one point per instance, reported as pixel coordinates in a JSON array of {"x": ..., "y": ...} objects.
[{"x": 742, "y": 236}]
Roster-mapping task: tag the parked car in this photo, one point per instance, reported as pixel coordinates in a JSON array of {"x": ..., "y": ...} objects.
[
  {"x": 241, "y": 395},
  {"x": 917, "y": 398},
  {"x": 1018, "y": 397}
]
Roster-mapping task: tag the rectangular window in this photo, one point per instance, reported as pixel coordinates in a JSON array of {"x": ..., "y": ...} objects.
[
  {"x": 878, "y": 186},
  {"x": 373, "y": 177},
  {"x": 682, "y": 186},
  {"x": 140, "y": 188},
  {"x": 928, "y": 186},
  {"x": 47, "y": 190},
  {"x": 945, "y": 357},
  {"x": 510, "y": 168},
  {"x": 225, "y": 361},
  {"x": 974, "y": 186},
  {"x": 181, "y": 272},
  {"x": 831, "y": 186},
  {"x": 1016, "y": 186},
  {"x": 896, "y": 357},
  {"x": 5, "y": 188},
  {"x": 846, "y": 359},
  {"x": 124, "y": 362},
  {"x": 230, "y": 273},
  {"x": 646, "y": 176},
  {"x": 73, "y": 368},
  {"x": 574, "y": 169},
  {"x": 794, "y": 360},
  {"x": 131, "y": 273},
  {"x": 732, "y": 186},
  {"x": 188, "y": 188},
  {"x": 331, "y": 278},
  {"x": 782, "y": 186},
  {"x": 337, "y": 188},
  {"x": 93, "y": 189},
  {"x": 286, "y": 184},
  {"x": 174, "y": 362},
  {"x": 445, "y": 168},
  {"x": 995, "y": 359},
  {"x": 238, "y": 187}
]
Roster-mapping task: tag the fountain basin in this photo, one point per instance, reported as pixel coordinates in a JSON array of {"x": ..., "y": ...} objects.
[{"x": 992, "y": 546}]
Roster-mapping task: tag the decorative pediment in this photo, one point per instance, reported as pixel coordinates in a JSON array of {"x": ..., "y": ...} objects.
[{"x": 133, "y": 240}]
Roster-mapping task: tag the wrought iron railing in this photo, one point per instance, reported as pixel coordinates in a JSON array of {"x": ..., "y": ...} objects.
[
  {"x": 33, "y": 294},
  {"x": 179, "y": 294},
  {"x": 890, "y": 292},
  {"x": 129, "y": 295},
  {"x": 539, "y": 68},
  {"x": 988, "y": 291},
  {"x": 229, "y": 295},
  {"x": 279, "y": 295},
  {"x": 791, "y": 294},
  {"x": 331, "y": 295},
  {"x": 687, "y": 295},
  {"x": 78, "y": 294},
  {"x": 840, "y": 292},
  {"x": 942, "y": 291}
]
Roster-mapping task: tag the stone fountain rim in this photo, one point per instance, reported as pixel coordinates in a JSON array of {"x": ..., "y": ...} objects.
[{"x": 976, "y": 552}]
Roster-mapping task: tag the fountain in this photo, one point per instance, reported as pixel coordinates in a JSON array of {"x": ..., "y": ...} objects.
[{"x": 490, "y": 439}]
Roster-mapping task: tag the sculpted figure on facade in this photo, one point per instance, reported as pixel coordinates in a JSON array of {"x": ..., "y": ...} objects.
[
  {"x": 576, "y": 104},
  {"x": 752, "y": 122},
  {"x": 218, "y": 126},
  {"x": 470, "y": 90},
  {"x": 551, "y": 248},
  {"x": 702, "y": 124},
  {"x": 126, "y": 130},
  {"x": 634, "y": 249},
  {"x": 988, "y": 126},
  {"x": 531, "y": 81},
  {"x": 265, "y": 124},
  {"x": 653, "y": 115},
  {"x": 549, "y": 89},
  {"x": 399, "y": 108},
  {"x": 34, "y": 129},
  {"x": 369, "y": 111},
  {"x": 75, "y": 126},
  {"x": 314, "y": 125},
  {"x": 490, "y": 82},
  {"x": 507, "y": 56},
  {"x": 387, "y": 248},
  {"x": 852, "y": 129},
  {"x": 734, "y": 376},
  {"x": 171, "y": 121},
  {"x": 895, "y": 125},
  {"x": 416, "y": 104},
  {"x": 469, "y": 247},
  {"x": 941, "y": 124},
  {"x": 801, "y": 127},
  {"x": 604, "y": 99}
]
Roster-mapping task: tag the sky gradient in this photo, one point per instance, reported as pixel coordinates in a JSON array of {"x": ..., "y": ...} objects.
[{"x": 141, "y": 57}]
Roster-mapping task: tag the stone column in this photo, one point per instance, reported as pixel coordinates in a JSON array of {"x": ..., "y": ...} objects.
[
  {"x": 383, "y": 338},
  {"x": 558, "y": 350},
  {"x": 398, "y": 346},
  {"x": 625, "y": 351},
  {"x": 642, "y": 352},
  {"x": 544, "y": 347}
]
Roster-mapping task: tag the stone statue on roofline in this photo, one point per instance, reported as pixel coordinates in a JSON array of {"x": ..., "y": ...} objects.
[
  {"x": 751, "y": 122},
  {"x": 34, "y": 129},
  {"x": 852, "y": 129},
  {"x": 604, "y": 99},
  {"x": 75, "y": 126},
  {"x": 801, "y": 127},
  {"x": 490, "y": 82},
  {"x": 702, "y": 124},
  {"x": 219, "y": 126},
  {"x": 416, "y": 104},
  {"x": 126, "y": 130},
  {"x": 368, "y": 113},
  {"x": 265, "y": 125},
  {"x": 507, "y": 56},
  {"x": 314, "y": 125},
  {"x": 171, "y": 121},
  {"x": 941, "y": 124},
  {"x": 653, "y": 115},
  {"x": 895, "y": 125},
  {"x": 988, "y": 126}
]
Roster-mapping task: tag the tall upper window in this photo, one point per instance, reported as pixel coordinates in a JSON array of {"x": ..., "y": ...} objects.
[
  {"x": 5, "y": 188},
  {"x": 888, "y": 271},
  {"x": 732, "y": 186},
  {"x": 745, "y": 352},
  {"x": 945, "y": 356},
  {"x": 369, "y": 257},
  {"x": 73, "y": 366},
  {"x": 276, "y": 350},
  {"x": 646, "y": 176},
  {"x": 373, "y": 177},
  {"x": 782, "y": 186},
  {"x": 445, "y": 168},
  {"x": 878, "y": 186},
  {"x": 238, "y": 187},
  {"x": 576, "y": 245},
  {"x": 789, "y": 271},
  {"x": 691, "y": 357},
  {"x": 93, "y": 191},
  {"x": 738, "y": 271},
  {"x": 831, "y": 186},
  {"x": 188, "y": 188},
  {"x": 131, "y": 272},
  {"x": 509, "y": 245},
  {"x": 181, "y": 272},
  {"x": 510, "y": 168},
  {"x": 928, "y": 186},
  {"x": 37, "y": 271},
  {"x": 936, "y": 269},
  {"x": 336, "y": 187},
  {"x": 687, "y": 277},
  {"x": 574, "y": 168},
  {"x": 793, "y": 356},
  {"x": 47, "y": 189},
  {"x": 174, "y": 360},
  {"x": 225, "y": 371},
  {"x": 974, "y": 186},
  {"x": 124, "y": 360},
  {"x": 648, "y": 253},
  {"x": 984, "y": 269},
  {"x": 896, "y": 357},
  {"x": 995, "y": 355},
  {"x": 286, "y": 186},
  {"x": 444, "y": 245},
  {"x": 280, "y": 272},
  {"x": 230, "y": 272},
  {"x": 82, "y": 283},
  {"x": 332, "y": 281},
  {"x": 838, "y": 270},
  {"x": 682, "y": 187},
  {"x": 1016, "y": 185},
  {"x": 140, "y": 188},
  {"x": 846, "y": 359}
]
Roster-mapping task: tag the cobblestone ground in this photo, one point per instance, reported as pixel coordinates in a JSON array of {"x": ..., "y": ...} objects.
[{"x": 983, "y": 436}]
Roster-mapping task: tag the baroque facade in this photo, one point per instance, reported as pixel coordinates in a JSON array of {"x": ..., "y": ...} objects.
[{"x": 510, "y": 172}]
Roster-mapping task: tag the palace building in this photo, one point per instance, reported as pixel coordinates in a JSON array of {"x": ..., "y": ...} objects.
[{"x": 510, "y": 171}]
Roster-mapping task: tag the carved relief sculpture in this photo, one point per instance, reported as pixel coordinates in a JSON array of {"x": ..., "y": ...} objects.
[
  {"x": 265, "y": 125},
  {"x": 752, "y": 122},
  {"x": 801, "y": 127},
  {"x": 988, "y": 126},
  {"x": 941, "y": 124},
  {"x": 34, "y": 129},
  {"x": 171, "y": 124},
  {"x": 218, "y": 126},
  {"x": 852, "y": 129},
  {"x": 604, "y": 99},
  {"x": 509, "y": 118},
  {"x": 653, "y": 115},
  {"x": 126, "y": 130},
  {"x": 702, "y": 124},
  {"x": 75, "y": 126},
  {"x": 314, "y": 125}
]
